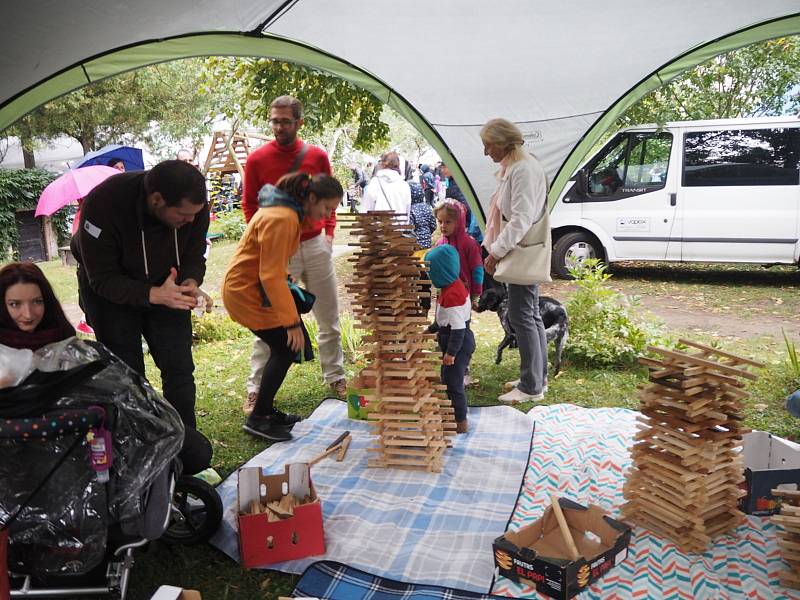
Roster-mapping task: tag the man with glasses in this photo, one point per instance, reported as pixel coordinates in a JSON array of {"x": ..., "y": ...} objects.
[{"x": 313, "y": 262}]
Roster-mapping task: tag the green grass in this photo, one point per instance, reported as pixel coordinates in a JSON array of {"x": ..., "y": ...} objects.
[
  {"x": 63, "y": 279},
  {"x": 222, "y": 366}
]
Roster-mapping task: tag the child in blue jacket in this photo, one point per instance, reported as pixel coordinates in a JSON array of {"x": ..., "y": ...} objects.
[{"x": 453, "y": 313}]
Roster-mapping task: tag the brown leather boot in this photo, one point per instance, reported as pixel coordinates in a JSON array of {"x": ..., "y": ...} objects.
[{"x": 461, "y": 426}]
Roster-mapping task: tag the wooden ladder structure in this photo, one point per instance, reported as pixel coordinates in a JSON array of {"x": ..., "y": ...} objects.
[
  {"x": 227, "y": 154},
  {"x": 411, "y": 416},
  {"x": 684, "y": 482}
]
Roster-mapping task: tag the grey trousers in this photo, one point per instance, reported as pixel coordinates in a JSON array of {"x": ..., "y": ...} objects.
[{"x": 523, "y": 314}]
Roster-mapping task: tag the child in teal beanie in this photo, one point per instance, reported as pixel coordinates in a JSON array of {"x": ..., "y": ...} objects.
[{"x": 453, "y": 312}]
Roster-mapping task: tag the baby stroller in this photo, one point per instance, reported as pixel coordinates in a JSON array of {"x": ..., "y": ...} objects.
[{"x": 88, "y": 464}]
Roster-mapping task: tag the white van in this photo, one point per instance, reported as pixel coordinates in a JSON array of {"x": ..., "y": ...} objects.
[{"x": 694, "y": 191}]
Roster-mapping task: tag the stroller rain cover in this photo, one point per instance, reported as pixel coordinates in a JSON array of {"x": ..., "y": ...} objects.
[{"x": 62, "y": 528}]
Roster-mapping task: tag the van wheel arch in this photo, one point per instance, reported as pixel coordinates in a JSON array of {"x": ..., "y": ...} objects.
[{"x": 571, "y": 245}]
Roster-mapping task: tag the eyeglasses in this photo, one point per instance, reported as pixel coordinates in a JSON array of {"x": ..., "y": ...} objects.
[{"x": 282, "y": 122}]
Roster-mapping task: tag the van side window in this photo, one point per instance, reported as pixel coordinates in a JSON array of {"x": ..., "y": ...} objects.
[
  {"x": 741, "y": 157},
  {"x": 635, "y": 164}
]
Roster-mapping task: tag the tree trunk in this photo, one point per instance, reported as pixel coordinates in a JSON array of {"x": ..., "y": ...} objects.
[
  {"x": 87, "y": 142},
  {"x": 26, "y": 143},
  {"x": 28, "y": 157},
  {"x": 332, "y": 148}
]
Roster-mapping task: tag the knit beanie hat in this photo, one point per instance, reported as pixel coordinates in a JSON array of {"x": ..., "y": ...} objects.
[{"x": 445, "y": 265}]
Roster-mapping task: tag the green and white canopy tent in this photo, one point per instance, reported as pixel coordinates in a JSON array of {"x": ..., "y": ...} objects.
[{"x": 563, "y": 71}]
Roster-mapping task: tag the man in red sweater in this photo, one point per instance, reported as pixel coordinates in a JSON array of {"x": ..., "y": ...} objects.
[{"x": 313, "y": 262}]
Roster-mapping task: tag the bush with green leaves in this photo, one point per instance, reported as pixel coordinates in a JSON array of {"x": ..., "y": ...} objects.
[
  {"x": 351, "y": 336},
  {"x": 230, "y": 224},
  {"x": 606, "y": 327},
  {"x": 792, "y": 359},
  {"x": 215, "y": 327},
  {"x": 20, "y": 190}
]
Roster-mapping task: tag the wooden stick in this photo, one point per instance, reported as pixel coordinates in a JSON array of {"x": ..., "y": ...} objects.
[
  {"x": 338, "y": 441},
  {"x": 327, "y": 452},
  {"x": 721, "y": 353},
  {"x": 343, "y": 449},
  {"x": 562, "y": 525}
]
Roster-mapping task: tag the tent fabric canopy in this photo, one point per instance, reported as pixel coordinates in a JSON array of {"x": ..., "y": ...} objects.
[{"x": 561, "y": 71}]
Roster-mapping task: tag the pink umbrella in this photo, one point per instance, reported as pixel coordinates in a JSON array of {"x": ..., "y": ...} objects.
[{"x": 71, "y": 187}]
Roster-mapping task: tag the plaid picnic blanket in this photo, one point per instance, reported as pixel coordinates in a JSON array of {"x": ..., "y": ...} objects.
[
  {"x": 427, "y": 528},
  {"x": 583, "y": 454},
  {"x": 329, "y": 580}
]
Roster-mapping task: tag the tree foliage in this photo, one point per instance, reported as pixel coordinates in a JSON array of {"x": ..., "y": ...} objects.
[
  {"x": 20, "y": 190},
  {"x": 330, "y": 102},
  {"x": 156, "y": 103},
  {"x": 758, "y": 80}
]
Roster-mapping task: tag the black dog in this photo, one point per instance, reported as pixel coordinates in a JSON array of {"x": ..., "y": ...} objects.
[{"x": 554, "y": 315}]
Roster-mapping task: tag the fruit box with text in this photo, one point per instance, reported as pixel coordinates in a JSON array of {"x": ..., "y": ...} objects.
[
  {"x": 769, "y": 462},
  {"x": 536, "y": 554}
]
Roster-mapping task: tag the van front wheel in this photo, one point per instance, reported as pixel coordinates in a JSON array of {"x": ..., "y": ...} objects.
[{"x": 572, "y": 249}]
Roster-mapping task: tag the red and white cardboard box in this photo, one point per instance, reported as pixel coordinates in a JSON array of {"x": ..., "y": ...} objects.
[{"x": 262, "y": 542}]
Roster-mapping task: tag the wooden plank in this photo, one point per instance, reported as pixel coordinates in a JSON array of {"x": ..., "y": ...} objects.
[
  {"x": 718, "y": 352},
  {"x": 687, "y": 358}
]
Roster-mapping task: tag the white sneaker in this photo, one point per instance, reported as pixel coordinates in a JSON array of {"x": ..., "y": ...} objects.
[
  {"x": 512, "y": 385},
  {"x": 516, "y": 396},
  {"x": 469, "y": 380}
]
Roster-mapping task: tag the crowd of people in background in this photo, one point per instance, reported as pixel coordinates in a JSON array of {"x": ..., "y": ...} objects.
[{"x": 141, "y": 244}]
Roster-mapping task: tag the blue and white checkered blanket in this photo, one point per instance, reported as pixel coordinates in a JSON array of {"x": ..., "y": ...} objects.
[
  {"x": 429, "y": 528},
  {"x": 329, "y": 580}
]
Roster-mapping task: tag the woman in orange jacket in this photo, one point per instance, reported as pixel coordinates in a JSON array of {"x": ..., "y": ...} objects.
[{"x": 256, "y": 289}]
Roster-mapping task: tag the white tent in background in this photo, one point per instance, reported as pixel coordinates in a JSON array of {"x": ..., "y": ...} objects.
[
  {"x": 563, "y": 71},
  {"x": 56, "y": 155}
]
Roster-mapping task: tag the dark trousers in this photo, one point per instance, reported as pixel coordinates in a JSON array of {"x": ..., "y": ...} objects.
[
  {"x": 196, "y": 452},
  {"x": 453, "y": 375},
  {"x": 168, "y": 333},
  {"x": 281, "y": 358},
  {"x": 425, "y": 288}
]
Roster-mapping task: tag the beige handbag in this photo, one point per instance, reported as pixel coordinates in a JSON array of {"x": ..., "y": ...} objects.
[{"x": 529, "y": 261}]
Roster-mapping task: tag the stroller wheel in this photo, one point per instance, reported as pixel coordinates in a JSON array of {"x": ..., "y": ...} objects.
[{"x": 196, "y": 512}]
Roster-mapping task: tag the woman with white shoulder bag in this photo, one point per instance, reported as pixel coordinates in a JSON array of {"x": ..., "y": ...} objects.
[{"x": 518, "y": 242}]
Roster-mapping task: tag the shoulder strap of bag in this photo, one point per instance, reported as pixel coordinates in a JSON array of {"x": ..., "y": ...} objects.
[
  {"x": 383, "y": 191},
  {"x": 298, "y": 160}
]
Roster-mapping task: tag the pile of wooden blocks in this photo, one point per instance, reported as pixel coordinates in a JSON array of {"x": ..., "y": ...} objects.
[
  {"x": 788, "y": 522},
  {"x": 412, "y": 417},
  {"x": 687, "y": 465},
  {"x": 277, "y": 510}
]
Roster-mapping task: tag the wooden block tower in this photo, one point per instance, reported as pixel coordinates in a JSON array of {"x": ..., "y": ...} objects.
[
  {"x": 788, "y": 522},
  {"x": 412, "y": 417},
  {"x": 687, "y": 467}
]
